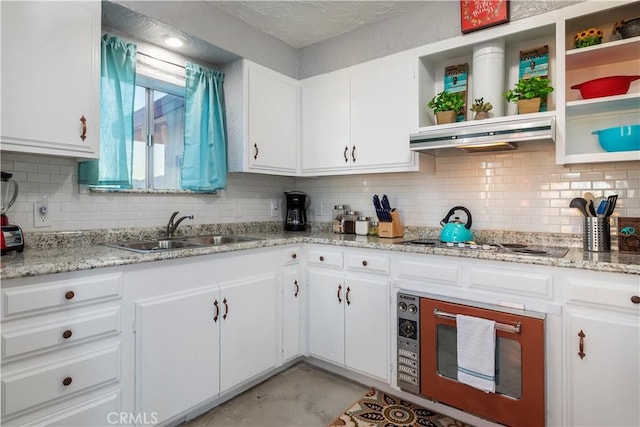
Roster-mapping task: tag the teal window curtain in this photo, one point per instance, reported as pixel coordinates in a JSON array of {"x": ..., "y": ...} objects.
[
  {"x": 117, "y": 89},
  {"x": 204, "y": 164}
]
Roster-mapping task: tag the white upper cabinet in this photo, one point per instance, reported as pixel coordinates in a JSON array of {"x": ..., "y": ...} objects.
[
  {"x": 358, "y": 120},
  {"x": 262, "y": 116},
  {"x": 51, "y": 78},
  {"x": 613, "y": 57}
]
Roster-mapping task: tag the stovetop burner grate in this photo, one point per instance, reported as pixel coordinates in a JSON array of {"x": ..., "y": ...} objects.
[{"x": 514, "y": 248}]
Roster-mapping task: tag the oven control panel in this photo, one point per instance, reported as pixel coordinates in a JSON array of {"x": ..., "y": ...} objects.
[{"x": 408, "y": 314}]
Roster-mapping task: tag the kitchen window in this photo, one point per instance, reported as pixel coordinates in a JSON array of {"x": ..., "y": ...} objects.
[{"x": 158, "y": 129}]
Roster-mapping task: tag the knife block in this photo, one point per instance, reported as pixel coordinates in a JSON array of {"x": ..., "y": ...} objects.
[{"x": 393, "y": 228}]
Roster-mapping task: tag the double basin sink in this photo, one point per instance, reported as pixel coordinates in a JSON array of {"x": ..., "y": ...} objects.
[{"x": 168, "y": 244}]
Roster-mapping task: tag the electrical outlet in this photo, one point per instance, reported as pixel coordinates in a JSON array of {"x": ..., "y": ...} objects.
[
  {"x": 41, "y": 214},
  {"x": 275, "y": 208}
]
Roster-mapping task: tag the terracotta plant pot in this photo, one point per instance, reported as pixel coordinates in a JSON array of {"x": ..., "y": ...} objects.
[
  {"x": 481, "y": 115},
  {"x": 443, "y": 117},
  {"x": 526, "y": 106}
]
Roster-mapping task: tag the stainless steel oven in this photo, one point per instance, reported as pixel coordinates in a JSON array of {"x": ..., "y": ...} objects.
[{"x": 427, "y": 358}]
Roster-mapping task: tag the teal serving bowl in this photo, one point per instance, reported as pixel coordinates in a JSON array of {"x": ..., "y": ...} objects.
[{"x": 620, "y": 138}]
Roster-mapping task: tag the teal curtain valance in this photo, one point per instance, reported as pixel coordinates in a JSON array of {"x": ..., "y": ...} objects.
[
  {"x": 117, "y": 89},
  {"x": 204, "y": 165}
]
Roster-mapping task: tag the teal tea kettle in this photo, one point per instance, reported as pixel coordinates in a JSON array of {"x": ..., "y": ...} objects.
[{"x": 455, "y": 231}]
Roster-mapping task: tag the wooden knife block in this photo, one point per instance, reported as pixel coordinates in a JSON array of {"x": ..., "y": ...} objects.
[{"x": 393, "y": 228}]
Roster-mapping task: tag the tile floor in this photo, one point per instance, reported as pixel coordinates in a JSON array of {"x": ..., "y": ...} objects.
[{"x": 303, "y": 395}]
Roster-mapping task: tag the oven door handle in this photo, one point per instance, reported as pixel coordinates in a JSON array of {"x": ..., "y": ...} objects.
[{"x": 499, "y": 326}]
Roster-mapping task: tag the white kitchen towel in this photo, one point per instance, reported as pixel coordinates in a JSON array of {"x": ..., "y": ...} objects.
[{"x": 476, "y": 352}]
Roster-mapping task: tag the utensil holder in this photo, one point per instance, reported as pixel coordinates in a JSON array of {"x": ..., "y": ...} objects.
[
  {"x": 393, "y": 228},
  {"x": 596, "y": 234}
]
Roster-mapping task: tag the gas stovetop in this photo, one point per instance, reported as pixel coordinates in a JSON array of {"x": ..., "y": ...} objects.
[{"x": 513, "y": 248}]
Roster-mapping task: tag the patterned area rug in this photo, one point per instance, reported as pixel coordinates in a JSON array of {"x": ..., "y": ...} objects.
[{"x": 379, "y": 409}]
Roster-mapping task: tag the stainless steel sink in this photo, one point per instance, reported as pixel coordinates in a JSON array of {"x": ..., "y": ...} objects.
[{"x": 155, "y": 245}]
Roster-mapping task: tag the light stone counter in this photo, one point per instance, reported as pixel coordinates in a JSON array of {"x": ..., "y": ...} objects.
[{"x": 59, "y": 258}]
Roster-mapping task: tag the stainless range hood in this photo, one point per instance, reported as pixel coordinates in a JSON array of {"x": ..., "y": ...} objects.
[{"x": 486, "y": 135}]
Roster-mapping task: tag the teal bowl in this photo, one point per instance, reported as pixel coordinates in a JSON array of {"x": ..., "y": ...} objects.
[{"x": 620, "y": 138}]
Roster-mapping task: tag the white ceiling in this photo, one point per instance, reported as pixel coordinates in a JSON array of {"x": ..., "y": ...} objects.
[{"x": 302, "y": 23}]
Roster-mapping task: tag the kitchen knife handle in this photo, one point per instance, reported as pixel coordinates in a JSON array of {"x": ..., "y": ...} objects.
[
  {"x": 353, "y": 153},
  {"x": 295, "y": 295},
  {"x": 83, "y": 119},
  {"x": 226, "y": 309},
  {"x": 217, "y": 306},
  {"x": 339, "y": 289},
  {"x": 346, "y": 159},
  {"x": 581, "y": 352},
  {"x": 347, "y": 295}
]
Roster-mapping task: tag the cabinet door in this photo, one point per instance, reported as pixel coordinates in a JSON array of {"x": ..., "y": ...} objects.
[
  {"x": 326, "y": 315},
  {"x": 51, "y": 77},
  {"x": 249, "y": 333},
  {"x": 292, "y": 296},
  {"x": 383, "y": 101},
  {"x": 367, "y": 325},
  {"x": 604, "y": 385},
  {"x": 177, "y": 352},
  {"x": 325, "y": 124},
  {"x": 273, "y": 118}
]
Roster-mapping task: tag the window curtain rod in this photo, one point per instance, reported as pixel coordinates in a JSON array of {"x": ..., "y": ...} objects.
[{"x": 161, "y": 60}]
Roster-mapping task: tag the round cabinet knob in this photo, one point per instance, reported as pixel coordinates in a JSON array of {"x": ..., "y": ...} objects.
[
  {"x": 67, "y": 334},
  {"x": 635, "y": 299},
  {"x": 364, "y": 263},
  {"x": 67, "y": 381},
  {"x": 321, "y": 258},
  {"x": 402, "y": 306},
  {"x": 294, "y": 255},
  {"x": 69, "y": 295},
  {"x": 413, "y": 308}
]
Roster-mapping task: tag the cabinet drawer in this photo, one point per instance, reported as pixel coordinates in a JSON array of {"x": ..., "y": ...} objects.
[
  {"x": 522, "y": 283},
  {"x": 47, "y": 383},
  {"x": 57, "y": 295},
  {"x": 431, "y": 271},
  {"x": 293, "y": 255},
  {"x": 63, "y": 333},
  {"x": 367, "y": 262},
  {"x": 325, "y": 257},
  {"x": 603, "y": 293},
  {"x": 104, "y": 410}
]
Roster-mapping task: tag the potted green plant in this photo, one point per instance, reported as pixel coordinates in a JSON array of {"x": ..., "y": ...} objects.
[
  {"x": 446, "y": 105},
  {"x": 481, "y": 108},
  {"x": 532, "y": 91}
]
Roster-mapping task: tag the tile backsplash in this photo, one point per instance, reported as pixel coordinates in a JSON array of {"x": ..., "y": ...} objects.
[{"x": 522, "y": 190}]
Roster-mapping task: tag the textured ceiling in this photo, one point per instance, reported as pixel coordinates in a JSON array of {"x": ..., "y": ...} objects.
[{"x": 302, "y": 23}]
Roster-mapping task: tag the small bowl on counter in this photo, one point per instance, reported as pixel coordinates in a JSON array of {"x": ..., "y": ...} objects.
[
  {"x": 620, "y": 138},
  {"x": 605, "y": 86}
]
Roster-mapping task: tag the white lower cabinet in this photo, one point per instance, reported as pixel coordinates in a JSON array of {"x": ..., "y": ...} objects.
[
  {"x": 602, "y": 356},
  {"x": 349, "y": 314}
]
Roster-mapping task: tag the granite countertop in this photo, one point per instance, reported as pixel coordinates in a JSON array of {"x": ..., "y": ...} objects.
[{"x": 36, "y": 261}]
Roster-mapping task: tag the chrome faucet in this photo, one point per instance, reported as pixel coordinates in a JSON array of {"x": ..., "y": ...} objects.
[{"x": 172, "y": 226}]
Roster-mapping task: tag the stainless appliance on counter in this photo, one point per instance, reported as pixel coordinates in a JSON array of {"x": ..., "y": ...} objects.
[{"x": 427, "y": 358}]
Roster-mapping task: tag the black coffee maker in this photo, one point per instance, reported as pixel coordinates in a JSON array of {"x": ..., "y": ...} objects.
[{"x": 296, "y": 216}]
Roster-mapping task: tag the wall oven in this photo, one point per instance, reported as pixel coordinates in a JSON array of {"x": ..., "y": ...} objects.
[{"x": 428, "y": 361}]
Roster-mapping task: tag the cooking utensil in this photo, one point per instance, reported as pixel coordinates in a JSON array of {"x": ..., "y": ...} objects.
[
  {"x": 588, "y": 196},
  {"x": 591, "y": 208},
  {"x": 602, "y": 207},
  {"x": 580, "y": 204},
  {"x": 455, "y": 231},
  {"x": 611, "y": 205},
  {"x": 605, "y": 86}
]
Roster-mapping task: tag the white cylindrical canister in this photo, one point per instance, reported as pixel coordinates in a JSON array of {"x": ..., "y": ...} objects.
[{"x": 488, "y": 75}]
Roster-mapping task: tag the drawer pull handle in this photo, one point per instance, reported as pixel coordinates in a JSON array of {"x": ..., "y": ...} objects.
[
  {"x": 321, "y": 258},
  {"x": 294, "y": 255},
  {"x": 346, "y": 159},
  {"x": 353, "y": 153},
  {"x": 581, "y": 352},
  {"x": 347, "y": 295},
  {"x": 226, "y": 309},
  {"x": 67, "y": 334},
  {"x": 84, "y": 128},
  {"x": 339, "y": 289},
  {"x": 69, "y": 295},
  {"x": 67, "y": 381},
  {"x": 364, "y": 263},
  {"x": 215, "y": 304},
  {"x": 295, "y": 295},
  {"x": 635, "y": 299}
]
